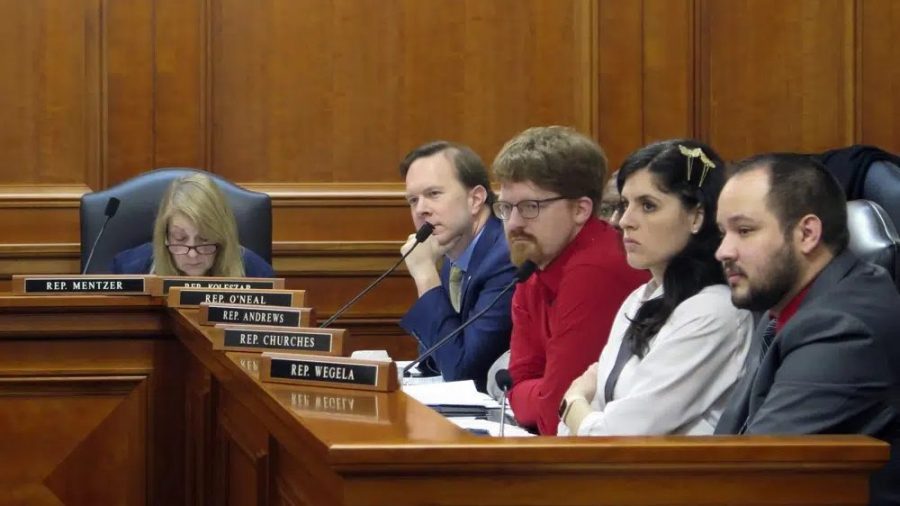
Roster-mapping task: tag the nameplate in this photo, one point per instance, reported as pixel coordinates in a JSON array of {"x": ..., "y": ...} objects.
[
  {"x": 274, "y": 316},
  {"x": 80, "y": 285},
  {"x": 295, "y": 340},
  {"x": 180, "y": 296},
  {"x": 335, "y": 372},
  {"x": 160, "y": 285}
]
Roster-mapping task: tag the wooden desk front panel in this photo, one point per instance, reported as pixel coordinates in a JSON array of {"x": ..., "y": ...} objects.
[{"x": 90, "y": 403}]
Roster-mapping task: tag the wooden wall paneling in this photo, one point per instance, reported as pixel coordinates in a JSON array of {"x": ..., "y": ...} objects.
[
  {"x": 128, "y": 73},
  {"x": 180, "y": 83},
  {"x": 362, "y": 93},
  {"x": 780, "y": 75},
  {"x": 879, "y": 103},
  {"x": 49, "y": 100},
  {"x": 620, "y": 98},
  {"x": 199, "y": 409}
]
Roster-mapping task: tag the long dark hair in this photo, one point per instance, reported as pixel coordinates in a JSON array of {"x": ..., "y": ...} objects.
[{"x": 695, "y": 267}]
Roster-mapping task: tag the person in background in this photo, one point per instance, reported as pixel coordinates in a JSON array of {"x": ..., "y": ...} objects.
[
  {"x": 551, "y": 179},
  {"x": 824, "y": 355},
  {"x": 677, "y": 345},
  {"x": 195, "y": 234},
  {"x": 447, "y": 186}
]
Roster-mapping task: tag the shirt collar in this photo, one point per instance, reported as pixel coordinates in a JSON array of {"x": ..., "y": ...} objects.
[
  {"x": 463, "y": 261},
  {"x": 552, "y": 275},
  {"x": 790, "y": 309}
]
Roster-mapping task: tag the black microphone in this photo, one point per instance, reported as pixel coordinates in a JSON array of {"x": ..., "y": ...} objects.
[
  {"x": 422, "y": 234},
  {"x": 525, "y": 271},
  {"x": 504, "y": 383},
  {"x": 112, "y": 205}
]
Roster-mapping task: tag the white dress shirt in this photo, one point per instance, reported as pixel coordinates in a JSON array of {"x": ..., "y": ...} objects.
[{"x": 682, "y": 383}]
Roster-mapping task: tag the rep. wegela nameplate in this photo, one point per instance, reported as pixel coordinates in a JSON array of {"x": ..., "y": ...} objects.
[
  {"x": 275, "y": 316},
  {"x": 292, "y": 340},
  {"x": 73, "y": 284},
  {"x": 335, "y": 372},
  {"x": 160, "y": 285},
  {"x": 180, "y": 296}
]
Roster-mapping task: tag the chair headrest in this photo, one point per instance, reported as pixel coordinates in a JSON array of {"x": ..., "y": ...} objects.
[{"x": 873, "y": 236}]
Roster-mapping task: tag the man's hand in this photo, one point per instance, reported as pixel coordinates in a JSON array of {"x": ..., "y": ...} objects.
[{"x": 422, "y": 262}]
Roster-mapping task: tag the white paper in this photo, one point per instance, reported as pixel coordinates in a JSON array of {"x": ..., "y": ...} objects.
[{"x": 458, "y": 393}]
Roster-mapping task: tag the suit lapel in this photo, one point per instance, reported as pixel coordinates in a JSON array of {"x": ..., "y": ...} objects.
[{"x": 492, "y": 228}]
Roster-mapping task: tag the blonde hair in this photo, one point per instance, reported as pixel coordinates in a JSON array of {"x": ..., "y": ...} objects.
[{"x": 199, "y": 199}]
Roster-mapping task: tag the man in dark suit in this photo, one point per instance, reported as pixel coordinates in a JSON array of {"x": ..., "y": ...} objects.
[
  {"x": 447, "y": 185},
  {"x": 823, "y": 356}
]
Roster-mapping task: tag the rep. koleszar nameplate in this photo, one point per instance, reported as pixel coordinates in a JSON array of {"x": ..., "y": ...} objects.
[
  {"x": 73, "y": 284},
  {"x": 160, "y": 285},
  {"x": 180, "y": 296},
  {"x": 293, "y": 340},
  {"x": 275, "y": 316},
  {"x": 335, "y": 372}
]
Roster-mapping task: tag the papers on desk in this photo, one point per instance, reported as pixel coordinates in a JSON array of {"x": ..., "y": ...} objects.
[
  {"x": 491, "y": 427},
  {"x": 451, "y": 393}
]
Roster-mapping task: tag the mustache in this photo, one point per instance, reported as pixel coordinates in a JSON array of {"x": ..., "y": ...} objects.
[
  {"x": 730, "y": 268},
  {"x": 520, "y": 236}
]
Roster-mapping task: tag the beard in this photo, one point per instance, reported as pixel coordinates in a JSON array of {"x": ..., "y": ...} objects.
[
  {"x": 773, "y": 283},
  {"x": 523, "y": 247}
]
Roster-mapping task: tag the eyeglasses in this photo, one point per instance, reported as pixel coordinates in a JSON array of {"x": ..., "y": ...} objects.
[
  {"x": 529, "y": 209},
  {"x": 184, "y": 249}
]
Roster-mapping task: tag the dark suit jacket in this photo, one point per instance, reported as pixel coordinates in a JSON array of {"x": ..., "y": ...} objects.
[
  {"x": 138, "y": 260},
  {"x": 470, "y": 354},
  {"x": 829, "y": 370}
]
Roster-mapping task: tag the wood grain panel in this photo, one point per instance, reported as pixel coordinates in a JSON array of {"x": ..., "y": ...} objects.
[
  {"x": 50, "y": 55},
  {"x": 879, "y": 105},
  {"x": 375, "y": 78},
  {"x": 104, "y": 435},
  {"x": 777, "y": 75}
]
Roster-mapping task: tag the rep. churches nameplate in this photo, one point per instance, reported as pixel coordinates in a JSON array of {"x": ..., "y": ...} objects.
[{"x": 293, "y": 340}]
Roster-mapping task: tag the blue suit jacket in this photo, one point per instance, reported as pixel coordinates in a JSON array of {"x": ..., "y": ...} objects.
[
  {"x": 470, "y": 354},
  {"x": 829, "y": 370},
  {"x": 138, "y": 260}
]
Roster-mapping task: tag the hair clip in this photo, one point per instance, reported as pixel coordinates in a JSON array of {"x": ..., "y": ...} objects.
[{"x": 696, "y": 153}]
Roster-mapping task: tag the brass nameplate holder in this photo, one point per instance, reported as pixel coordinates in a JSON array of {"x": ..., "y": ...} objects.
[
  {"x": 274, "y": 316},
  {"x": 311, "y": 340},
  {"x": 160, "y": 285},
  {"x": 74, "y": 284},
  {"x": 334, "y": 372},
  {"x": 192, "y": 297}
]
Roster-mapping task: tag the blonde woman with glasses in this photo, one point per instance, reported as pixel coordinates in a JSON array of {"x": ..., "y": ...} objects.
[{"x": 195, "y": 234}]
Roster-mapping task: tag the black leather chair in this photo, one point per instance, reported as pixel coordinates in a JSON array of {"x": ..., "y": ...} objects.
[
  {"x": 882, "y": 186},
  {"x": 139, "y": 200},
  {"x": 873, "y": 236}
]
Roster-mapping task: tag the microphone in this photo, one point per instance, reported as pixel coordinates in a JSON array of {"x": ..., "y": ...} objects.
[
  {"x": 422, "y": 234},
  {"x": 525, "y": 271},
  {"x": 112, "y": 205},
  {"x": 504, "y": 382}
]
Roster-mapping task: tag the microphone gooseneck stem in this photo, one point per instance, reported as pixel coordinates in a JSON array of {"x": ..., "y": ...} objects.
[
  {"x": 87, "y": 264},
  {"x": 421, "y": 235},
  {"x": 503, "y": 411}
]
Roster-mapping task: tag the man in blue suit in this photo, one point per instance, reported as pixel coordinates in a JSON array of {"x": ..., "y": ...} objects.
[{"x": 447, "y": 186}]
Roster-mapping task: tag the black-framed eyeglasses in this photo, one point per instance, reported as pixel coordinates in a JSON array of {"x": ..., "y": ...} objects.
[
  {"x": 184, "y": 249},
  {"x": 529, "y": 209}
]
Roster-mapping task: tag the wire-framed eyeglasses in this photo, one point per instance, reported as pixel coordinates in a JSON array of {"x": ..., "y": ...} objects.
[
  {"x": 529, "y": 209},
  {"x": 184, "y": 249}
]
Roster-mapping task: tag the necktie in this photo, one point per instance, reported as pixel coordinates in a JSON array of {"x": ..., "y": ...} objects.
[
  {"x": 622, "y": 358},
  {"x": 455, "y": 286}
]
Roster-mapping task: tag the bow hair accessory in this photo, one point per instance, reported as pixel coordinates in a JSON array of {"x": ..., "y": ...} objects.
[{"x": 692, "y": 154}]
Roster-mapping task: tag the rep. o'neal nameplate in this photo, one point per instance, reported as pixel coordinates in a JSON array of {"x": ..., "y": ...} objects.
[
  {"x": 335, "y": 372},
  {"x": 293, "y": 340},
  {"x": 80, "y": 285},
  {"x": 275, "y": 316},
  {"x": 161, "y": 285},
  {"x": 190, "y": 297}
]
